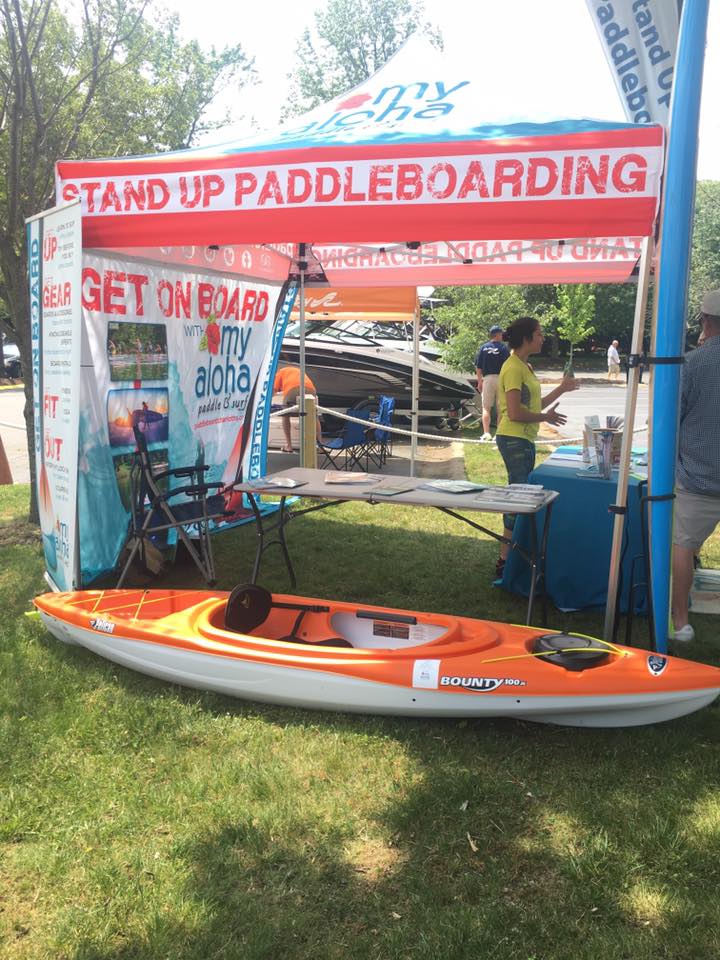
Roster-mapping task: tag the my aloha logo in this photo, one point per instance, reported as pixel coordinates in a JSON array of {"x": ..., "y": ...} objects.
[
  {"x": 227, "y": 375},
  {"x": 423, "y": 100}
]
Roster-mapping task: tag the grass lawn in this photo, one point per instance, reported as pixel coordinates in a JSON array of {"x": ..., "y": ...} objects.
[{"x": 141, "y": 820}]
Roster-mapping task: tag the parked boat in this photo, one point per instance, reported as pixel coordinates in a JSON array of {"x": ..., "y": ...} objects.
[
  {"x": 339, "y": 656},
  {"x": 347, "y": 368},
  {"x": 393, "y": 336}
]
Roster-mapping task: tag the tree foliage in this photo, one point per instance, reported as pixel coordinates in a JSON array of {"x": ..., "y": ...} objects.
[
  {"x": 111, "y": 79},
  {"x": 575, "y": 312},
  {"x": 705, "y": 263},
  {"x": 470, "y": 314},
  {"x": 350, "y": 42}
]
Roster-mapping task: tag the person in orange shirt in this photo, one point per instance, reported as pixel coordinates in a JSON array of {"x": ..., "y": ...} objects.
[{"x": 287, "y": 382}]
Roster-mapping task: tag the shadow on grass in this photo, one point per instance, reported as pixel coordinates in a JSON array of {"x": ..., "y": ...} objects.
[{"x": 513, "y": 841}]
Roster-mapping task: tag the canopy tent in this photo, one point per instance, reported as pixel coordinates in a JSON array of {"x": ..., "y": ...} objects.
[
  {"x": 401, "y": 157},
  {"x": 481, "y": 262}
]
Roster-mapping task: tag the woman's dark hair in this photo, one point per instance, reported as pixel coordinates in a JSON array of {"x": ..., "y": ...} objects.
[{"x": 520, "y": 330}]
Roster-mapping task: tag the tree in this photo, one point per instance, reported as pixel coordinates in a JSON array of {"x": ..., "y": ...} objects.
[
  {"x": 352, "y": 40},
  {"x": 470, "y": 314},
  {"x": 574, "y": 312},
  {"x": 117, "y": 83},
  {"x": 705, "y": 261}
]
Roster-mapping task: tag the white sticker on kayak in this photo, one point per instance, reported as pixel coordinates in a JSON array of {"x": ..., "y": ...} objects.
[
  {"x": 656, "y": 664},
  {"x": 104, "y": 626},
  {"x": 425, "y": 674}
]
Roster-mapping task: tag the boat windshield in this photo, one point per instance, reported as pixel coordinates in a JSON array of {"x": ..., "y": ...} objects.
[
  {"x": 376, "y": 330},
  {"x": 317, "y": 330}
]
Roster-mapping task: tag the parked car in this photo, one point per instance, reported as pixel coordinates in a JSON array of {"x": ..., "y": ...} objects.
[{"x": 11, "y": 357}]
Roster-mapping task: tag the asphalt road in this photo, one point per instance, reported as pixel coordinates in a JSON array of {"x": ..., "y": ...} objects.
[
  {"x": 595, "y": 396},
  {"x": 12, "y": 431}
]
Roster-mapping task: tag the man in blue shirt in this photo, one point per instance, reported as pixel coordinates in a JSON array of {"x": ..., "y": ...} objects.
[
  {"x": 490, "y": 358},
  {"x": 697, "y": 488}
]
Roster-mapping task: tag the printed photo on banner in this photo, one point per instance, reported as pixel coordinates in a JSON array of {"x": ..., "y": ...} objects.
[
  {"x": 146, "y": 409},
  {"x": 137, "y": 351}
]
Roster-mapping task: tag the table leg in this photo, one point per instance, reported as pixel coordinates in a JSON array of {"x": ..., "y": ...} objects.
[
  {"x": 543, "y": 558},
  {"x": 282, "y": 520},
  {"x": 261, "y": 532},
  {"x": 533, "y": 568}
]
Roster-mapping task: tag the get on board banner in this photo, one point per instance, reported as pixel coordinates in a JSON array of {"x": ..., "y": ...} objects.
[
  {"x": 54, "y": 240},
  {"x": 639, "y": 38},
  {"x": 187, "y": 358}
]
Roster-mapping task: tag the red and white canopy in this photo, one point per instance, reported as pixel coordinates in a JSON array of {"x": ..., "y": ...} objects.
[{"x": 405, "y": 157}]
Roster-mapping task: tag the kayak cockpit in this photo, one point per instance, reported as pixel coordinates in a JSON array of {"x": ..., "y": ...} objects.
[{"x": 252, "y": 611}]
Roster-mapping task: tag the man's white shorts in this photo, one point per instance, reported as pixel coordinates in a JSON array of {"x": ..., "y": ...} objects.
[
  {"x": 694, "y": 518},
  {"x": 489, "y": 390}
]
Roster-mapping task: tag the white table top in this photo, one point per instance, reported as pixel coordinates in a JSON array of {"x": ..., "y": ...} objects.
[{"x": 313, "y": 484}]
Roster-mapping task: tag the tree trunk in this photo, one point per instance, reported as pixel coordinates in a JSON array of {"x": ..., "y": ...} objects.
[
  {"x": 18, "y": 301},
  {"x": 554, "y": 346}
]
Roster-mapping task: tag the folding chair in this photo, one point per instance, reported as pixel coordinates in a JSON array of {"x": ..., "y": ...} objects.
[
  {"x": 152, "y": 514},
  {"x": 346, "y": 451},
  {"x": 380, "y": 445}
]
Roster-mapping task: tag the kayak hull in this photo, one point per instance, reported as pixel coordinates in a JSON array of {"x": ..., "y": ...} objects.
[{"x": 433, "y": 679}]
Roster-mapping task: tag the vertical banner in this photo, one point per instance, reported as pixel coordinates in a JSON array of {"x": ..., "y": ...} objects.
[
  {"x": 54, "y": 241},
  {"x": 186, "y": 357},
  {"x": 639, "y": 38}
]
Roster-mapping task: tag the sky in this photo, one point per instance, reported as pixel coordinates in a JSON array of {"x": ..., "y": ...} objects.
[{"x": 533, "y": 59}]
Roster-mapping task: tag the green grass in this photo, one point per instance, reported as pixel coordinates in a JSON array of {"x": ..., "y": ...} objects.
[{"x": 141, "y": 820}]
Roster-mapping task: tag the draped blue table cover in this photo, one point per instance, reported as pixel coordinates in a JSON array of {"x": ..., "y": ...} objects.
[{"x": 578, "y": 553}]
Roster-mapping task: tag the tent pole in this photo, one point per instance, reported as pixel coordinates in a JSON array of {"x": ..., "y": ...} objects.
[
  {"x": 415, "y": 386},
  {"x": 302, "y": 264},
  {"x": 671, "y": 295},
  {"x": 636, "y": 348}
]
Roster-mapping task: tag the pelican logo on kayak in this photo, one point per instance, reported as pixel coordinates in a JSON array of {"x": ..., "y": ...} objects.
[
  {"x": 481, "y": 684},
  {"x": 104, "y": 626},
  {"x": 656, "y": 664}
]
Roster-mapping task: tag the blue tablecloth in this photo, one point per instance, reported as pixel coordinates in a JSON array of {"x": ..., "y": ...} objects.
[{"x": 578, "y": 553}]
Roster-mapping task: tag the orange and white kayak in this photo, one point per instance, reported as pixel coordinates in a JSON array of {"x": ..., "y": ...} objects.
[{"x": 330, "y": 655}]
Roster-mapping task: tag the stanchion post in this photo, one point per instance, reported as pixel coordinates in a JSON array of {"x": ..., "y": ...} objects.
[{"x": 309, "y": 438}]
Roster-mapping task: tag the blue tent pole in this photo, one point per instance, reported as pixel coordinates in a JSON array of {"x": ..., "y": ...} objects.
[{"x": 671, "y": 295}]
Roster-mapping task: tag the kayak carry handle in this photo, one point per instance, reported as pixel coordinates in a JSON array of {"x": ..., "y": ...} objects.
[{"x": 380, "y": 615}]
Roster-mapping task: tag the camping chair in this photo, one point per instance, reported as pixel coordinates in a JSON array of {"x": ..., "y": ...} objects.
[
  {"x": 346, "y": 451},
  {"x": 380, "y": 445},
  {"x": 152, "y": 515}
]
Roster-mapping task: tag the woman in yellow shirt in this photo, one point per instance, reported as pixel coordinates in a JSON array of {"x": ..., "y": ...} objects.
[{"x": 520, "y": 410}]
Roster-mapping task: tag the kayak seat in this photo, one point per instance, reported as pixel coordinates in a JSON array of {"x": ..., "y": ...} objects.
[
  {"x": 571, "y": 651},
  {"x": 249, "y": 606}
]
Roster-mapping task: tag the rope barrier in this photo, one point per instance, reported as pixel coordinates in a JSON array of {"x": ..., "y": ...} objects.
[{"x": 548, "y": 442}]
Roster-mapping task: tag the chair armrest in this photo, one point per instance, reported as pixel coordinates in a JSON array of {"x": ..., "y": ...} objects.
[
  {"x": 180, "y": 472},
  {"x": 191, "y": 490}
]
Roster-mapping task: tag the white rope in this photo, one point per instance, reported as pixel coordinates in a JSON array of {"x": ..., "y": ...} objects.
[{"x": 370, "y": 424}]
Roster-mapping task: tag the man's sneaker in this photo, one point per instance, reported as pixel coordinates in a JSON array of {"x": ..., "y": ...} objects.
[
  {"x": 684, "y": 634},
  {"x": 499, "y": 568},
  {"x": 486, "y": 436}
]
